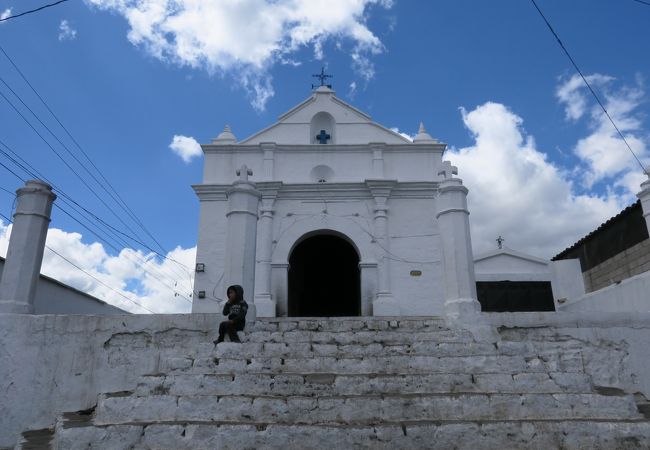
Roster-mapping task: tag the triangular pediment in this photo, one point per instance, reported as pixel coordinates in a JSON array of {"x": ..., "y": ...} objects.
[
  {"x": 507, "y": 261},
  {"x": 325, "y": 115}
]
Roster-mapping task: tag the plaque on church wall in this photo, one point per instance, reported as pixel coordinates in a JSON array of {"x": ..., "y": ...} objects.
[{"x": 416, "y": 273}]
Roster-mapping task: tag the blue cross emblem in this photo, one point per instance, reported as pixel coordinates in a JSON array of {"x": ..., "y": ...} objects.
[{"x": 323, "y": 137}]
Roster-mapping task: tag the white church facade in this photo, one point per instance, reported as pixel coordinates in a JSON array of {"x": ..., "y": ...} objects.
[{"x": 349, "y": 218}]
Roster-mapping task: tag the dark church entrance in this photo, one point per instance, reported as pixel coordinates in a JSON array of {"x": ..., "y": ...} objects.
[{"x": 324, "y": 279}]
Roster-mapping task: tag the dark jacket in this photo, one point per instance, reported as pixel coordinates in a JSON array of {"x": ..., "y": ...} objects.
[{"x": 237, "y": 311}]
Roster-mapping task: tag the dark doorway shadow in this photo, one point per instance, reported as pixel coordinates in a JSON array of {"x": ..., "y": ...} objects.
[{"x": 324, "y": 278}]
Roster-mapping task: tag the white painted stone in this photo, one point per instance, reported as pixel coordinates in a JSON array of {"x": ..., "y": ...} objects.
[
  {"x": 328, "y": 376},
  {"x": 457, "y": 262},
  {"x": 26, "y": 246},
  {"x": 344, "y": 188},
  {"x": 241, "y": 232}
]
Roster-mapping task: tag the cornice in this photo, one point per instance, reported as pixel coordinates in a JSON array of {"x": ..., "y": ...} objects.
[
  {"x": 333, "y": 191},
  {"x": 318, "y": 148}
]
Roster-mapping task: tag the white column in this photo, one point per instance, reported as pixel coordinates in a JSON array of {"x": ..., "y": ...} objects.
[
  {"x": 241, "y": 233},
  {"x": 457, "y": 257},
  {"x": 26, "y": 246},
  {"x": 263, "y": 298},
  {"x": 384, "y": 304},
  {"x": 644, "y": 196}
]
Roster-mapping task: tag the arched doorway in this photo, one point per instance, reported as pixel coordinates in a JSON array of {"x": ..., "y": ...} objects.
[{"x": 324, "y": 277}]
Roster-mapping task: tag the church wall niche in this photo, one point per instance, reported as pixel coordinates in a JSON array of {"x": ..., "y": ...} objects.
[
  {"x": 323, "y": 121},
  {"x": 321, "y": 174},
  {"x": 324, "y": 276}
]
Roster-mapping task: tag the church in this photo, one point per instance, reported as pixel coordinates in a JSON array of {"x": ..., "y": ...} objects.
[
  {"x": 353, "y": 247},
  {"x": 352, "y": 218}
]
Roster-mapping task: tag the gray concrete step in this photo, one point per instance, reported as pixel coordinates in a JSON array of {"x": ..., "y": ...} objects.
[
  {"x": 335, "y": 384},
  {"x": 439, "y": 435},
  {"x": 558, "y": 362},
  {"x": 361, "y": 409}
]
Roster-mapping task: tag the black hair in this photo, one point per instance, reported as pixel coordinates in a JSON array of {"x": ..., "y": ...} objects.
[{"x": 239, "y": 292}]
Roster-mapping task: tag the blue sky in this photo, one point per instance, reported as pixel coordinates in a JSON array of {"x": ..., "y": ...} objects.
[{"x": 488, "y": 78}]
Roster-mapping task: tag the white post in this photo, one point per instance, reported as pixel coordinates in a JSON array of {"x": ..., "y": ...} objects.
[
  {"x": 384, "y": 304},
  {"x": 644, "y": 196},
  {"x": 457, "y": 257},
  {"x": 264, "y": 301},
  {"x": 26, "y": 246},
  {"x": 241, "y": 233}
]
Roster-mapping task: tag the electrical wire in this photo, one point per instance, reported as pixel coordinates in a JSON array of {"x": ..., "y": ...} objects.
[
  {"x": 121, "y": 203},
  {"x": 7, "y": 190},
  {"x": 89, "y": 274},
  {"x": 34, "y": 173},
  {"x": 72, "y": 203},
  {"x": 76, "y": 159},
  {"x": 593, "y": 93},
  {"x": 84, "y": 182},
  {"x": 32, "y": 11}
]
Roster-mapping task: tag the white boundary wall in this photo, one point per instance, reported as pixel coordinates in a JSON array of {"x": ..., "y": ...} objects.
[{"x": 50, "y": 364}]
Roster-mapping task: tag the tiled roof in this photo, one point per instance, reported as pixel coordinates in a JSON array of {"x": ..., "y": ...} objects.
[{"x": 602, "y": 226}]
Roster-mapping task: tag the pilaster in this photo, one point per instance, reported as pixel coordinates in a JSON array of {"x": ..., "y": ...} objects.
[
  {"x": 384, "y": 303},
  {"x": 263, "y": 298},
  {"x": 241, "y": 232}
]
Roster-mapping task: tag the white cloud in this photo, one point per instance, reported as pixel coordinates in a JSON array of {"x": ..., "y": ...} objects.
[
  {"x": 160, "y": 285},
  {"x": 517, "y": 193},
  {"x": 353, "y": 89},
  {"x": 571, "y": 95},
  {"x": 245, "y": 38},
  {"x": 603, "y": 153},
  {"x": 66, "y": 32},
  {"x": 404, "y": 135},
  {"x": 6, "y": 13},
  {"x": 185, "y": 147}
]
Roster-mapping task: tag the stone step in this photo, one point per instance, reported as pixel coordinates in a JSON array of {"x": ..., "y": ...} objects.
[
  {"x": 398, "y": 364},
  {"x": 439, "y": 435},
  {"x": 349, "y": 323},
  {"x": 332, "y": 384},
  {"x": 425, "y": 348},
  {"x": 189, "y": 339},
  {"x": 361, "y": 409}
]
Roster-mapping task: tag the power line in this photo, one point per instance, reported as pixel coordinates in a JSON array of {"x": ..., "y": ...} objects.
[
  {"x": 60, "y": 157},
  {"x": 34, "y": 173},
  {"x": 123, "y": 204},
  {"x": 589, "y": 87},
  {"x": 140, "y": 261},
  {"x": 84, "y": 182},
  {"x": 87, "y": 273},
  {"x": 14, "y": 173},
  {"x": 5, "y": 189},
  {"x": 103, "y": 238},
  {"x": 32, "y": 11}
]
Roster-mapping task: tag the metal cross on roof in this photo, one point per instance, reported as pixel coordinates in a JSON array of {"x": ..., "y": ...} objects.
[
  {"x": 500, "y": 241},
  {"x": 322, "y": 137},
  {"x": 322, "y": 77}
]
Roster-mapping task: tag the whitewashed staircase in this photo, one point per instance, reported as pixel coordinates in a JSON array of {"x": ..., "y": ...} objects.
[{"x": 380, "y": 383}]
